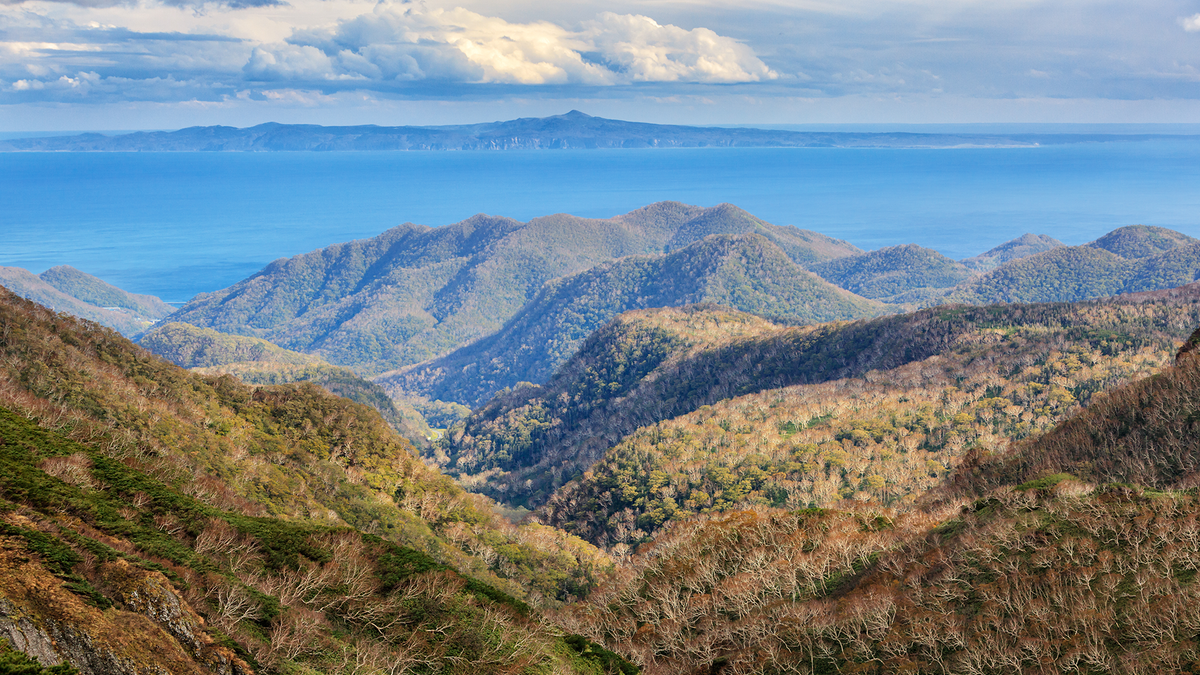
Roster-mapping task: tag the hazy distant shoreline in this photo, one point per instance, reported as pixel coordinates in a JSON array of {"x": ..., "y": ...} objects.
[{"x": 572, "y": 131}]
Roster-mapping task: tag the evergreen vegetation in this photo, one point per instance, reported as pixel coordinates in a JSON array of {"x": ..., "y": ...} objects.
[
  {"x": 893, "y": 271},
  {"x": 745, "y": 272},
  {"x": 415, "y": 293},
  {"x": 1021, "y": 247},
  {"x": 523, "y": 445}
]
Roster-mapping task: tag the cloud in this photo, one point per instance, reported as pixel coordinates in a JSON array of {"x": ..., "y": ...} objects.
[
  {"x": 1190, "y": 23},
  {"x": 457, "y": 45}
]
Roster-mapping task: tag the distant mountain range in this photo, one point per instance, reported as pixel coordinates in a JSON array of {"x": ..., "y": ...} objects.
[
  {"x": 742, "y": 271},
  {"x": 574, "y": 130},
  {"x": 414, "y": 293}
]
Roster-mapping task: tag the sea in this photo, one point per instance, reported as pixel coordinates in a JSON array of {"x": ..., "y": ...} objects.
[{"x": 177, "y": 224}]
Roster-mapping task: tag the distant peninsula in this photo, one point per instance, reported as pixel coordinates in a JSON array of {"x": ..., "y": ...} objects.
[{"x": 574, "y": 130}]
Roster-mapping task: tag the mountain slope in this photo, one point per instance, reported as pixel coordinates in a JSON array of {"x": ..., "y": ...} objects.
[
  {"x": 94, "y": 291},
  {"x": 414, "y": 293},
  {"x": 745, "y": 272},
  {"x": 1050, "y": 575},
  {"x": 243, "y": 499},
  {"x": 1023, "y": 246},
  {"x": 1072, "y": 273},
  {"x": 649, "y": 366},
  {"x": 892, "y": 271},
  {"x": 66, "y": 289},
  {"x": 1141, "y": 241},
  {"x": 190, "y": 346},
  {"x": 886, "y": 436}
]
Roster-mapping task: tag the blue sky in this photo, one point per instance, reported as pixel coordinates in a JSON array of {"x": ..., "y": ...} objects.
[{"x": 164, "y": 64}]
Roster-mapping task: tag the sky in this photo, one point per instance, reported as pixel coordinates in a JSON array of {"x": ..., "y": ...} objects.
[{"x": 167, "y": 64}]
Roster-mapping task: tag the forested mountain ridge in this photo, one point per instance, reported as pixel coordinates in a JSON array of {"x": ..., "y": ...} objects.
[
  {"x": 1072, "y": 273},
  {"x": 524, "y": 444},
  {"x": 414, "y": 293},
  {"x": 66, "y": 289},
  {"x": 886, "y": 436},
  {"x": 745, "y": 272},
  {"x": 129, "y": 482},
  {"x": 1049, "y": 575},
  {"x": 893, "y": 270},
  {"x": 1026, "y": 245}
]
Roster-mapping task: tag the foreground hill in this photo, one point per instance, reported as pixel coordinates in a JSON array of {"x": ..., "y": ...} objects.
[
  {"x": 66, "y": 289},
  {"x": 746, "y": 272},
  {"x": 415, "y": 293},
  {"x": 1050, "y": 575},
  {"x": 649, "y": 367},
  {"x": 154, "y": 518}
]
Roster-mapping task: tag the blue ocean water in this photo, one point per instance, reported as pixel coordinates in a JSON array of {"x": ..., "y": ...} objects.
[{"x": 177, "y": 224}]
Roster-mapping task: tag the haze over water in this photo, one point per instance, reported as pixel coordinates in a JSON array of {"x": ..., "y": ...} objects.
[{"x": 177, "y": 224}]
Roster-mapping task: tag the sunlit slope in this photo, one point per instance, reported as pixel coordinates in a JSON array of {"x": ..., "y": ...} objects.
[
  {"x": 415, "y": 292},
  {"x": 1023, "y": 246},
  {"x": 893, "y": 271},
  {"x": 886, "y": 436},
  {"x": 1127, "y": 260},
  {"x": 1048, "y": 575},
  {"x": 152, "y": 461},
  {"x": 647, "y": 367},
  {"x": 746, "y": 272}
]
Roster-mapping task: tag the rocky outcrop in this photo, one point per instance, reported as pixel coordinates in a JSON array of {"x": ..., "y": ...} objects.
[{"x": 149, "y": 631}]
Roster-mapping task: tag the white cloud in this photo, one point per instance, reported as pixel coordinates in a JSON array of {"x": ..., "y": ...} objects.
[
  {"x": 1190, "y": 23},
  {"x": 648, "y": 52},
  {"x": 415, "y": 43}
]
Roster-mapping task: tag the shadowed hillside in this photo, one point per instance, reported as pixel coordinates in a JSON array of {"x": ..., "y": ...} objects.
[
  {"x": 415, "y": 293},
  {"x": 745, "y": 272}
]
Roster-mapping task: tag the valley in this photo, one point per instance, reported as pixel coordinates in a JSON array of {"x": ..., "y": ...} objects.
[{"x": 680, "y": 440}]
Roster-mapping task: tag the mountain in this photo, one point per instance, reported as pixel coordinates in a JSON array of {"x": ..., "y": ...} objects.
[
  {"x": 156, "y": 519},
  {"x": 746, "y": 272},
  {"x": 617, "y": 395},
  {"x": 892, "y": 271},
  {"x": 1023, "y": 246},
  {"x": 66, "y": 289},
  {"x": 889, "y": 436},
  {"x": 1141, "y": 241},
  {"x": 1072, "y": 273},
  {"x": 1058, "y": 573},
  {"x": 256, "y": 361},
  {"x": 415, "y": 293},
  {"x": 572, "y": 130}
]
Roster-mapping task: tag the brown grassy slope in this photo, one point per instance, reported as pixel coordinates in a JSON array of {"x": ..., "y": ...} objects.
[
  {"x": 1147, "y": 433},
  {"x": 289, "y": 451},
  {"x": 887, "y": 436},
  {"x": 1054, "y": 575}
]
